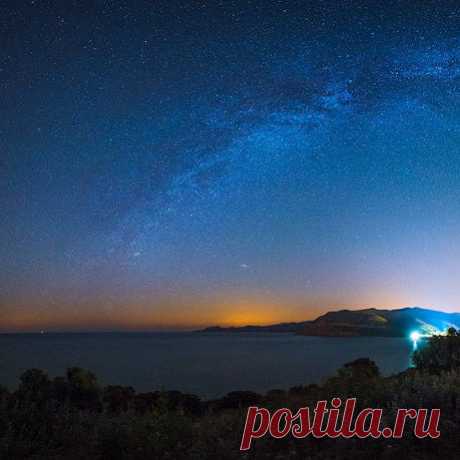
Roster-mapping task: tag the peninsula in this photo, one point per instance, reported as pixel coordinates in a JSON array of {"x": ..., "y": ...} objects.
[{"x": 366, "y": 322}]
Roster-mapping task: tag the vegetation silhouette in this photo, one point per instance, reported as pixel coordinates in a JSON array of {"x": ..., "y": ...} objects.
[{"x": 74, "y": 417}]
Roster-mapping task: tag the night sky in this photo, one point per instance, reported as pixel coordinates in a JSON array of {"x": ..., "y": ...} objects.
[{"x": 170, "y": 164}]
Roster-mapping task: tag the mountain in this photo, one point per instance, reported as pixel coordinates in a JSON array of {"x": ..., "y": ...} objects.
[{"x": 367, "y": 322}]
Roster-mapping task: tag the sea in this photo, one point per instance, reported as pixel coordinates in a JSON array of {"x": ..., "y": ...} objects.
[{"x": 206, "y": 364}]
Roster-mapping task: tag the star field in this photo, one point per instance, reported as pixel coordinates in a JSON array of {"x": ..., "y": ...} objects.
[{"x": 175, "y": 164}]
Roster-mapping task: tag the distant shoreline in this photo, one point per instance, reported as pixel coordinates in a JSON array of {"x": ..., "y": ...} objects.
[{"x": 369, "y": 322}]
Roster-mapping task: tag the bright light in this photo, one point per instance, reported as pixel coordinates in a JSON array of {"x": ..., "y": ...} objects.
[{"x": 415, "y": 336}]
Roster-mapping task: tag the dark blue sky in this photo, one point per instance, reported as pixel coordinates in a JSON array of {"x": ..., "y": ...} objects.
[{"x": 185, "y": 163}]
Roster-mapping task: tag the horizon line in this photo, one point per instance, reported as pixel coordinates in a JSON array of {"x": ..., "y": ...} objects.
[{"x": 193, "y": 328}]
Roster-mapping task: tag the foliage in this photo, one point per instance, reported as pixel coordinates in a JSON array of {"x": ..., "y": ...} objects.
[
  {"x": 73, "y": 417},
  {"x": 441, "y": 354}
]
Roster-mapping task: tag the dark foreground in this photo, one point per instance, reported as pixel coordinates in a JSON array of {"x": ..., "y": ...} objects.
[{"x": 72, "y": 417}]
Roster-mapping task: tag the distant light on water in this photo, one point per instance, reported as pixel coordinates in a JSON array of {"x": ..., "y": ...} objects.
[{"x": 415, "y": 337}]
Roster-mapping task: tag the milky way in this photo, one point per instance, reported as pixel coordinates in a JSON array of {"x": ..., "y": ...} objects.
[{"x": 184, "y": 163}]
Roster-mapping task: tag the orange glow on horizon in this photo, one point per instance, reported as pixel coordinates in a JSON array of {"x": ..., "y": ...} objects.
[
  {"x": 185, "y": 313},
  {"x": 180, "y": 314}
]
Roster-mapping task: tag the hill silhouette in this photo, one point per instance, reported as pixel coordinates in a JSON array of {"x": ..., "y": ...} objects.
[{"x": 366, "y": 322}]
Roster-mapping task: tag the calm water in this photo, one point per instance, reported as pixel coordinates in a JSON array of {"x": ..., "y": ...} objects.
[{"x": 205, "y": 364}]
